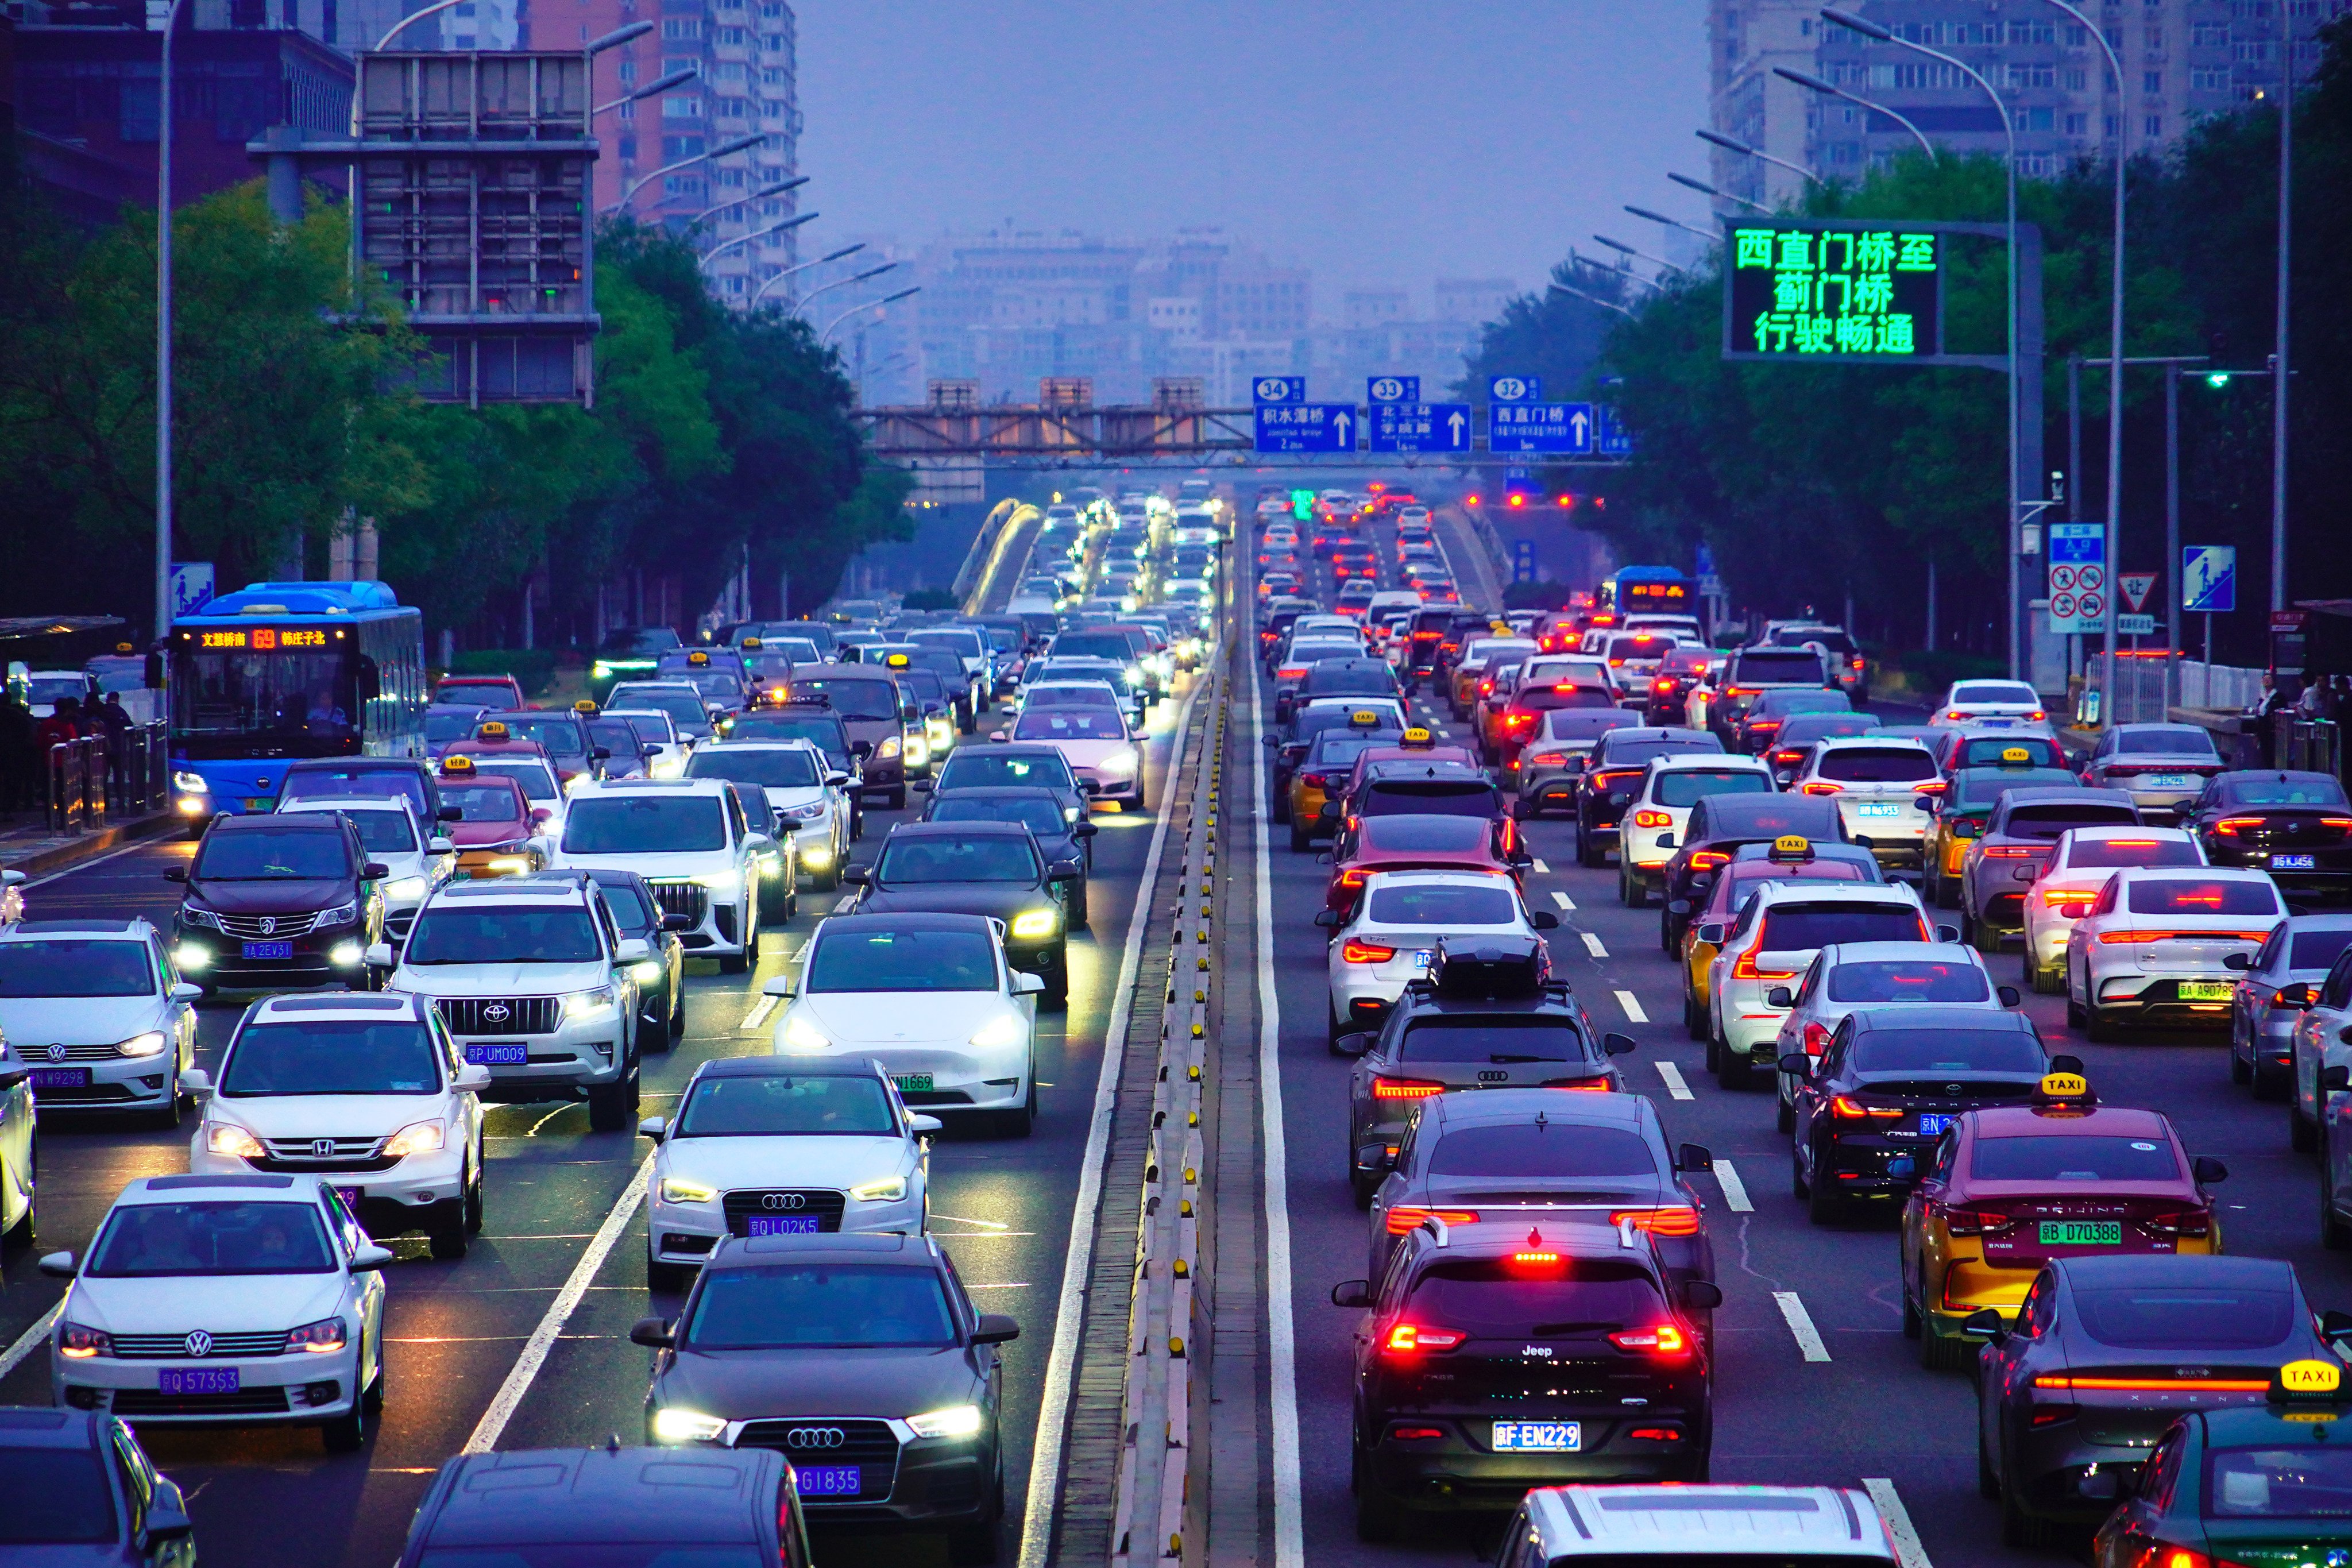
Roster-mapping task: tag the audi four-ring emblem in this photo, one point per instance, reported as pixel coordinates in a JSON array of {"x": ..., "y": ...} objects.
[
  {"x": 783, "y": 1200},
  {"x": 815, "y": 1437}
]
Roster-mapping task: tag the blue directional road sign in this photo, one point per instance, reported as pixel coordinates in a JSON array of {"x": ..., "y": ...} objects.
[
  {"x": 1393, "y": 389},
  {"x": 1514, "y": 388},
  {"x": 1306, "y": 427},
  {"x": 1611, "y": 438},
  {"x": 1419, "y": 427},
  {"x": 1540, "y": 427},
  {"x": 1279, "y": 389},
  {"x": 1523, "y": 561},
  {"x": 2209, "y": 578}
]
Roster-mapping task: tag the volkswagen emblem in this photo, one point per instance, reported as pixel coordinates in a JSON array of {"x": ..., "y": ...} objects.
[
  {"x": 199, "y": 1344},
  {"x": 815, "y": 1437},
  {"x": 57, "y": 1052},
  {"x": 323, "y": 1148},
  {"x": 268, "y": 924},
  {"x": 496, "y": 1012},
  {"x": 783, "y": 1201}
]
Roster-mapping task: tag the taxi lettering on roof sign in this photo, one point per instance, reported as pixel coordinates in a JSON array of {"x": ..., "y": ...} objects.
[
  {"x": 456, "y": 765},
  {"x": 1364, "y": 718},
  {"x": 585, "y": 705},
  {"x": 897, "y": 662},
  {"x": 2016, "y": 754},
  {"x": 1791, "y": 846},
  {"x": 494, "y": 730},
  {"x": 2065, "y": 1086},
  {"x": 2319, "y": 1382},
  {"x": 751, "y": 644},
  {"x": 698, "y": 657},
  {"x": 1417, "y": 736}
]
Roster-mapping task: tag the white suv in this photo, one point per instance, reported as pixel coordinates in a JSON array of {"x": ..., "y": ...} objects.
[
  {"x": 367, "y": 1093},
  {"x": 1651, "y": 829},
  {"x": 1775, "y": 938},
  {"x": 413, "y": 864},
  {"x": 688, "y": 839},
  {"x": 534, "y": 982},
  {"x": 1878, "y": 786},
  {"x": 807, "y": 793}
]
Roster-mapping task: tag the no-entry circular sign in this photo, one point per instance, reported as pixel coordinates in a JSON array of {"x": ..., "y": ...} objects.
[
  {"x": 2062, "y": 580},
  {"x": 2091, "y": 579},
  {"x": 2093, "y": 607},
  {"x": 2061, "y": 604}
]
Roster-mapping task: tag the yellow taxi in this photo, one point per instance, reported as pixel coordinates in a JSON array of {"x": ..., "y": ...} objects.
[{"x": 1310, "y": 786}]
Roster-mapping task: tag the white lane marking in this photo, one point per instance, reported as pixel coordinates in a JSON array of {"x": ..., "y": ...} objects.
[
  {"x": 1734, "y": 1190},
  {"x": 1633, "y": 1005},
  {"x": 1592, "y": 944},
  {"x": 94, "y": 861},
  {"x": 519, "y": 1376},
  {"x": 548, "y": 1118},
  {"x": 759, "y": 1015},
  {"x": 1907, "y": 1549},
  {"x": 1282, "y": 1351},
  {"x": 1800, "y": 1325},
  {"x": 1543, "y": 869},
  {"x": 1053, "y": 1405},
  {"x": 30, "y": 1339},
  {"x": 967, "y": 1219},
  {"x": 1673, "y": 1074},
  {"x": 1563, "y": 900}
]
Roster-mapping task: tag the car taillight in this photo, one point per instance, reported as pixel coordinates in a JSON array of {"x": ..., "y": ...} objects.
[
  {"x": 1744, "y": 968},
  {"x": 1930, "y": 786},
  {"x": 2059, "y": 898},
  {"x": 1315, "y": 781},
  {"x": 1975, "y": 1222},
  {"x": 1764, "y": 724},
  {"x": 2182, "y": 1221},
  {"x": 1822, "y": 786},
  {"x": 1355, "y": 952},
  {"x": 2054, "y": 1415},
  {"x": 1405, "y": 1089},
  {"x": 1406, "y": 1218},
  {"x": 2009, "y": 852},
  {"x": 2037, "y": 716},
  {"x": 1787, "y": 759},
  {"x": 1663, "y": 683},
  {"x": 1855, "y": 663},
  {"x": 1665, "y": 1340},
  {"x": 1956, "y": 716},
  {"x": 2235, "y": 824},
  {"x": 1847, "y": 1110},
  {"x": 1708, "y": 860},
  {"x": 1352, "y": 879},
  {"x": 1551, "y": 758},
  {"x": 1679, "y": 1220},
  {"x": 1291, "y": 672},
  {"x": 1410, "y": 1338},
  {"x": 1817, "y": 1037},
  {"x": 2131, "y": 938},
  {"x": 1518, "y": 720},
  {"x": 1646, "y": 818}
]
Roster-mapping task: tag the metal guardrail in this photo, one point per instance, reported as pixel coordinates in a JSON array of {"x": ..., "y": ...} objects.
[{"x": 122, "y": 774}]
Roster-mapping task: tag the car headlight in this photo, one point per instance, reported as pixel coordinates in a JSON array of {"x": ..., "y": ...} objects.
[
  {"x": 589, "y": 1007},
  {"x": 667, "y": 767},
  {"x": 809, "y": 812},
  {"x": 955, "y": 1421},
  {"x": 816, "y": 856},
  {"x": 417, "y": 1138},
  {"x": 676, "y": 1425},
  {"x": 888, "y": 748},
  {"x": 150, "y": 1044},
  {"x": 344, "y": 954},
  {"x": 1134, "y": 675},
  {"x": 646, "y": 971},
  {"x": 800, "y": 1035},
  {"x": 77, "y": 1343},
  {"x": 1069, "y": 814},
  {"x": 1121, "y": 764},
  {"x": 404, "y": 887},
  {"x": 227, "y": 1138},
  {"x": 889, "y": 1190},
  {"x": 678, "y": 1189},
  {"x": 191, "y": 784},
  {"x": 340, "y": 915},
  {"x": 1004, "y": 1029},
  {"x": 577, "y": 783},
  {"x": 727, "y": 882},
  {"x": 1034, "y": 923},
  {"x": 319, "y": 1338},
  {"x": 188, "y": 955}
]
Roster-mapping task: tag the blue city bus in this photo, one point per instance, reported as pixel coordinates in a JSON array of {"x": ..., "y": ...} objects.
[
  {"x": 1656, "y": 590},
  {"x": 280, "y": 671}
]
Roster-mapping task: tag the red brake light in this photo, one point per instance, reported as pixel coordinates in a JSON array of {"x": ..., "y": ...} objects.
[
  {"x": 1709, "y": 859},
  {"x": 1355, "y": 952},
  {"x": 1551, "y": 758},
  {"x": 2058, "y": 898},
  {"x": 1534, "y": 1259},
  {"x": 1675, "y": 1221},
  {"x": 1405, "y": 1218},
  {"x": 1817, "y": 1037},
  {"x": 1647, "y": 818},
  {"x": 1744, "y": 968},
  {"x": 2236, "y": 824},
  {"x": 1846, "y": 1110},
  {"x": 2010, "y": 851},
  {"x": 1822, "y": 786},
  {"x": 1409, "y": 1339},
  {"x": 1405, "y": 1089},
  {"x": 1352, "y": 878},
  {"x": 1665, "y": 1340}
]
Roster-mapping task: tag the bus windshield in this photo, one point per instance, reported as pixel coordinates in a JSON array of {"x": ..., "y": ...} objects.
[{"x": 279, "y": 695}]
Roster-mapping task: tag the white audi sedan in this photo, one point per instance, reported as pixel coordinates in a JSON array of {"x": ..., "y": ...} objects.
[
  {"x": 2149, "y": 948},
  {"x": 781, "y": 1146},
  {"x": 1096, "y": 742},
  {"x": 1389, "y": 935},
  {"x": 931, "y": 997},
  {"x": 98, "y": 1016},
  {"x": 2077, "y": 871},
  {"x": 364, "y": 1092},
  {"x": 246, "y": 1300}
]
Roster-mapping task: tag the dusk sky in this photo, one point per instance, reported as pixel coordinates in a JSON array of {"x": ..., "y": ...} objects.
[{"x": 1379, "y": 143}]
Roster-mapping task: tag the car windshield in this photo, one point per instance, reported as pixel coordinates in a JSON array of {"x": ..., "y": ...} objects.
[
  {"x": 644, "y": 825},
  {"x": 333, "y": 1056},
  {"x": 2164, "y": 741},
  {"x": 382, "y": 832},
  {"x": 991, "y": 858},
  {"x": 2198, "y": 896},
  {"x": 1092, "y": 695},
  {"x": 2286, "y": 789},
  {"x": 1543, "y": 1149},
  {"x": 557, "y": 734},
  {"x": 57, "y": 1497},
  {"x": 213, "y": 1237},
  {"x": 1980, "y": 787},
  {"x": 852, "y": 959},
  {"x": 1750, "y": 877},
  {"x": 1444, "y": 904},
  {"x": 1689, "y": 786},
  {"x": 2009, "y": 751},
  {"x": 1795, "y": 928},
  {"x": 457, "y": 933},
  {"x": 480, "y": 803},
  {"x": 1092, "y": 645},
  {"x": 1876, "y": 764},
  {"x": 442, "y": 728},
  {"x": 367, "y": 783},
  {"x": 1808, "y": 817},
  {"x": 1091, "y": 723},
  {"x": 1994, "y": 694},
  {"x": 2100, "y": 853},
  {"x": 782, "y": 768},
  {"x": 1493, "y": 1299},
  {"x": 982, "y": 768},
  {"x": 1774, "y": 668},
  {"x": 1038, "y": 814},
  {"x": 1432, "y": 835},
  {"x": 821, "y": 1306},
  {"x": 538, "y": 780},
  {"x": 1502, "y": 1039},
  {"x": 1948, "y": 1050},
  {"x": 290, "y": 856},
  {"x": 2045, "y": 823},
  {"x": 2074, "y": 1157},
  {"x": 2305, "y": 1482},
  {"x": 2186, "y": 1318},
  {"x": 750, "y": 1107},
  {"x": 1445, "y": 797},
  {"x": 68, "y": 966},
  {"x": 683, "y": 707},
  {"x": 1909, "y": 980}
]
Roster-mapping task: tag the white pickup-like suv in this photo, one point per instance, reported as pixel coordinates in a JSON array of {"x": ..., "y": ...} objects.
[{"x": 689, "y": 840}]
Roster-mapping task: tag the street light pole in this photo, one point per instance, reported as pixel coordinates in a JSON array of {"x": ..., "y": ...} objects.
[
  {"x": 1716, "y": 139},
  {"x": 2286, "y": 251},
  {"x": 1591, "y": 299},
  {"x": 1623, "y": 249},
  {"x": 1816, "y": 84},
  {"x": 723, "y": 150},
  {"x": 839, "y": 282},
  {"x": 762, "y": 292},
  {"x": 1703, "y": 188},
  {"x": 870, "y": 305},
  {"x": 1645, "y": 213},
  {"x": 164, "y": 334},
  {"x": 746, "y": 237},
  {"x": 759, "y": 196}
]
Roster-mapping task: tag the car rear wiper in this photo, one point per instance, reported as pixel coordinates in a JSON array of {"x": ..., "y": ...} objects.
[
  {"x": 1499, "y": 1058},
  {"x": 1574, "y": 1328}
]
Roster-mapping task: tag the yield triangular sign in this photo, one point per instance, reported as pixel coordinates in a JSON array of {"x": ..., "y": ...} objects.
[{"x": 2135, "y": 586}]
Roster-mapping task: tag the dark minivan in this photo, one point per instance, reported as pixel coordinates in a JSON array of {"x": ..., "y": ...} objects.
[
  {"x": 278, "y": 901},
  {"x": 872, "y": 709}
]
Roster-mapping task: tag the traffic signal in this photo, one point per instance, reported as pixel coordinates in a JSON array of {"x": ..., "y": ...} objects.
[
  {"x": 2217, "y": 380},
  {"x": 1302, "y": 504}
]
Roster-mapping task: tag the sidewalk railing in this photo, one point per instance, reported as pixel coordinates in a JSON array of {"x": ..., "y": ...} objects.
[
  {"x": 77, "y": 787},
  {"x": 124, "y": 774},
  {"x": 2136, "y": 695}
]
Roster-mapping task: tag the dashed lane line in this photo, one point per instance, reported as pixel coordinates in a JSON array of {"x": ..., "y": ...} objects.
[
  {"x": 30, "y": 1339},
  {"x": 759, "y": 1015},
  {"x": 1633, "y": 1005},
  {"x": 1541, "y": 870},
  {"x": 1676, "y": 1088},
  {"x": 1734, "y": 1190},
  {"x": 1563, "y": 900},
  {"x": 1592, "y": 944},
  {"x": 1907, "y": 1549},
  {"x": 1800, "y": 1325}
]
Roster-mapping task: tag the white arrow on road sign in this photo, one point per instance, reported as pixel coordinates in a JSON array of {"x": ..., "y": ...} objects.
[
  {"x": 1454, "y": 423},
  {"x": 1578, "y": 422},
  {"x": 2135, "y": 586},
  {"x": 1345, "y": 421}
]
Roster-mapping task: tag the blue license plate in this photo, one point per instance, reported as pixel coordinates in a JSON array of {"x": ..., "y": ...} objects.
[
  {"x": 197, "y": 1379},
  {"x": 1538, "y": 1437},
  {"x": 498, "y": 1055},
  {"x": 2294, "y": 862},
  {"x": 60, "y": 1077},
  {"x": 827, "y": 1481},
  {"x": 268, "y": 950},
  {"x": 1878, "y": 809},
  {"x": 783, "y": 1224},
  {"x": 1930, "y": 1126}
]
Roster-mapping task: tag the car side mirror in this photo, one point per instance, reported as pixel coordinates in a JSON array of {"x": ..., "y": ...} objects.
[
  {"x": 2336, "y": 1079},
  {"x": 472, "y": 1076},
  {"x": 601, "y": 755},
  {"x": 1083, "y": 830},
  {"x": 2101, "y": 1486},
  {"x": 1947, "y": 932},
  {"x": 861, "y": 749},
  {"x": 1693, "y": 1157},
  {"x": 2007, "y": 994},
  {"x": 1711, "y": 933},
  {"x": 380, "y": 954},
  {"x": 176, "y": 873},
  {"x": 1616, "y": 1045},
  {"x": 1797, "y": 1064},
  {"x": 183, "y": 992},
  {"x": 652, "y": 1127},
  {"x": 922, "y": 1126},
  {"x": 836, "y": 780},
  {"x": 2076, "y": 911},
  {"x": 779, "y": 986},
  {"x": 2335, "y": 1323},
  {"x": 1666, "y": 841},
  {"x": 677, "y": 922},
  {"x": 995, "y": 1329},
  {"x": 375, "y": 870},
  {"x": 2237, "y": 961},
  {"x": 370, "y": 1258},
  {"x": 1701, "y": 1295},
  {"x": 541, "y": 816},
  {"x": 857, "y": 875},
  {"x": 2065, "y": 1061},
  {"x": 1985, "y": 1327},
  {"x": 1544, "y": 919},
  {"x": 632, "y": 950},
  {"x": 654, "y": 1333},
  {"x": 1270, "y": 741},
  {"x": 2208, "y": 1170},
  {"x": 1355, "y": 1045},
  {"x": 450, "y": 814},
  {"x": 1330, "y": 812},
  {"x": 439, "y": 846},
  {"x": 1328, "y": 919},
  {"x": 1678, "y": 906},
  {"x": 163, "y": 1523},
  {"x": 1355, "y": 1293},
  {"x": 1780, "y": 997},
  {"x": 1027, "y": 985},
  {"x": 1927, "y": 803}
]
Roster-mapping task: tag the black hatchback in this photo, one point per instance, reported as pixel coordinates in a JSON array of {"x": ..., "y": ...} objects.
[{"x": 278, "y": 901}]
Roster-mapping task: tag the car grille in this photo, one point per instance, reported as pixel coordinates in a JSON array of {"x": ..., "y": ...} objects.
[
  {"x": 244, "y": 1402},
  {"x": 741, "y": 1207},
  {"x": 260, "y": 927},
  {"x": 500, "y": 1015},
  {"x": 867, "y": 1444},
  {"x": 37, "y": 1054},
  {"x": 91, "y": 1094},
  {"x": 691, "y": 900},
  {"x": 343, "y": 1154},
  {"x": 174, "y": 1347}
]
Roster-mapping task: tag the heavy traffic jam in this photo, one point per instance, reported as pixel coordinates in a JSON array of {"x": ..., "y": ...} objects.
[{"x": 764, "y": 987}]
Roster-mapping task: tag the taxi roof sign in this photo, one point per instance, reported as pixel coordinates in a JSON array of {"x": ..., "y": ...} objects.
[
  {"x": 2069, "y": 1090},
  {"x": 751, "y": 643},
  {"x": 492, "y": 730},
  {"x": 1790, "y": 847},
  {"x": 585, "y": 705},
  {"x": 458, "y": 764},
  {"x": 2016, "y": 754},
  {"x": 2307, "y": 1381},
  {"x": 698, "y": 657},
  {"x": 1417, "y": 737},
  {"x": 1365, "y": 718},
  {"x": 897, "y": 661}
]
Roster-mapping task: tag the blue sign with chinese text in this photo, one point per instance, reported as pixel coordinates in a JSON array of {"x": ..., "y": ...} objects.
[
  {"x": 1305, "y": 427},
  {"x": 1540, "y": 427},
  {"x": 1420, "y": 426},
  {"x": 1609, "y": 438}
]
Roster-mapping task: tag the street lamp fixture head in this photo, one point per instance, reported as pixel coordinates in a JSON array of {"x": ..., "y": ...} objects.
[
  {"x": 845, "y": 250},
  {"x": 1863, "y": 25},
  {"x": 1646, "y": 214},
  {"x": 793, "y": 222},
  {"x": 1616, "y": 244},
  {"x": 663, "y": 84},
  {"x": 874, "y": 272},
  {"x": 1730, "y": 144},
  {"x": 618, "y": 37},
  {"x": 1701, "y": 186},
  {"x": 1804, "y": 79},
  {"x": 738, "y": 145},
  {"x": 901, "y": 294}
]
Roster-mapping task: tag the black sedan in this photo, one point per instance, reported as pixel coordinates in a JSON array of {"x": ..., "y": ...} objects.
[
  {"x": 2295, "y": 826},
  {"x": 1613, "y": 777},
  {"x": 1039, "y": 811},
  {"x": 993, "y": 869},
  {"x": 1720, "y": 825},
  {"x": 829, "y": 1346}
]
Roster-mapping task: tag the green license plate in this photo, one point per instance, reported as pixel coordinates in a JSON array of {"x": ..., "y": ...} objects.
[
  {"x": 2207, "y": 990},
  {"x": 2081, "y": 1233},
  {"x": 912, "y": 1082}
]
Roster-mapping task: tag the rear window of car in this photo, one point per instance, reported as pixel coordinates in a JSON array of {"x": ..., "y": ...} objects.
[
  {"x": 1449, "y": 797},
  {"x": 2184, "y": 1317},
  {"x": 1771, "y": 667},
  {"x": 1620, "y": 753},
  {"x": 1543, "y": 1149},
  {"x": 2278, "y": 1481},
  {"x": 2047, "y": 822},
  {"x": 1491, "y": 1297},
  {"x": 1495, "y": 1040},
  {"x": 1455, "y": 835},
  {"x": 1688, "y": 786},
  {"x": 1983, "y": 786},
  {"x": 2074, "y": 1158},
  {"x": 1948, "y": 1050},
  {"x": 2165, "y": 740},
  {"x": 1807, "y": 815},
  {"x": 2201, "y": 896},
  {"x": 1899, "y": 980},
  {"x": 1876, "y": 764},
  {"x": 2002, "y": 750},
  {"x": 2106, "y": 853},
  {"x": 1439, "y": 904},
  {"x": 1795, "y": 928},
  {"x": 2290, "y": 790},
  {"x": 2011, "y": 693}
]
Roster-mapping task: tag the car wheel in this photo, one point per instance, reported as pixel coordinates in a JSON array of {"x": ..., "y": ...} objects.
[
  {"x": 2302, "y": 1131},
  {"x": 1988, "y": 1478},
  {"x": 677, "y": 1017},
  {"x": 20, "y": 1235},
  {"x": 2096, "y": 1026},
  {"x": 1078, "y": 908},
  {"x": 2271, "y": 1083},
  {"x": 1785, "y": 1119},
  {"x": 1730, "y": 1065},
  {"x": 2073, "y": 1008},
  {"x": 1824, "y": 1205},
  {"x": 608, "y": 1104},
  {"x": 347, "y": 1433},
  {"x": 1282, "y": 805},
  {"x": 2020, "y": 1529},
  {"x": 895, "y": 797},
  {"x": 474, "y": 1204},
  {"x": 1587, "y": 855},
  {"x": 2241, "y": 1070},
  {"x": 1694, "y": 1020},
  {"x": 2047, "y": 979},
  {"x": 1986, "y": 936},
  {"x": 1799, "y": 1188},
  {"x": 446, "y": 1230},
  {"x": 669, "y": 1276},
  {"x": 1378, "y": 1517},
  {"x": 1913, "y": 1327},
  {"x": 168, "y": 1117},
  {"x": 1301, "y": 841}
]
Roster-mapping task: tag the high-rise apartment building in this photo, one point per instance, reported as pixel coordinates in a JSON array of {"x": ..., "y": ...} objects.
[{"x": 2181, "y": 59}]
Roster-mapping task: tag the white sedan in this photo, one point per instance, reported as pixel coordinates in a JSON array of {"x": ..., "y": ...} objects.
[
  {"x": 1993, "y": 705},
  {"x": 2149, "y": 948},
  {"x": 931, "y": 997},
  {"x": 2076, "y": 872},
  {"x": 98, "y": 1016},
  {"x": 1847, "y": 977},
  {"x": 1387, "y": 938},
  {"x": 1096, "y": 742}
]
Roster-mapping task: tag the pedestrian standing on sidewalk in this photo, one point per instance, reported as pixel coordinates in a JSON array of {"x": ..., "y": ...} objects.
[{"x": 19, "y": 757}]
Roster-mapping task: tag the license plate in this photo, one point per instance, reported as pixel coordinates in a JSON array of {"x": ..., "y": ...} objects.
[
  {"x": 1420, "y": 960},
  {"x": 268, "y": 950},
  {"x": 912, "y": 1082},
  {"x": 782, "y": 1224},
  {"x": 1878, "y": 809},
  {"x": 2166, "y": 781},
  {"x": 2081, "y": 1233},
  {"x": 827, "y": 1481},
  {"x": 1932, "y": 1126},
  {"x": 258, "y": 803},
  {"x": 2207, "y": 990},
  {"x": 2294, "y": 862},
  {"x": 60, "y": 1077},
  {"x": 1538, "y": 1437},
  {"x": 498, "y": 1055},
  {"x": 1996, "y": 724},
  {"x": 197, "y": 1379},
  {"x": 350, "y": 1197}
]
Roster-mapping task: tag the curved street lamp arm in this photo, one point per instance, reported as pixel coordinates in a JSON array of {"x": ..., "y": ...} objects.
[{"x": 1831, "y": 89}]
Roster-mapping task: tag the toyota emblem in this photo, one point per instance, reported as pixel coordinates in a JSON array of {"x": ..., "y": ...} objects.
[
  {"x": 268, "y": 924},
  {"x": 323, "y": 1148},
  {"x": 815, "y": 1437},
  {"x": 199, "y": 1344},
  {"x": 783, "y": 1201},
  {"x": 57, "y": 1052},
  {"x": 496, "y": 1012}
]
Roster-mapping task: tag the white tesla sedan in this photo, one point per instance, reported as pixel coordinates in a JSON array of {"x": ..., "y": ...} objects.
[
  {"x": 2149, "y": 948},
  {"x": 1095, "y": 741}
]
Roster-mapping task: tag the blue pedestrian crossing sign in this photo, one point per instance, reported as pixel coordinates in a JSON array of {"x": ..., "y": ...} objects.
[
  {"x": 1279, "y": 389},
  {"x": 1305, "y": 428},
  {"x": 1380, "y": 389},
  {"x": 2209, "y": 578},
  {"x": 1540, "y": 427},
  {"x": 1514, "y": 388},
  {"x": 1610, "y": 437},
  {"x": 1419, "y": 427}
]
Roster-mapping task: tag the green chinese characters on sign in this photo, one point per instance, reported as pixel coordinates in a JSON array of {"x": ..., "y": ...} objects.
[{"x": 1803, "y": 292}]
